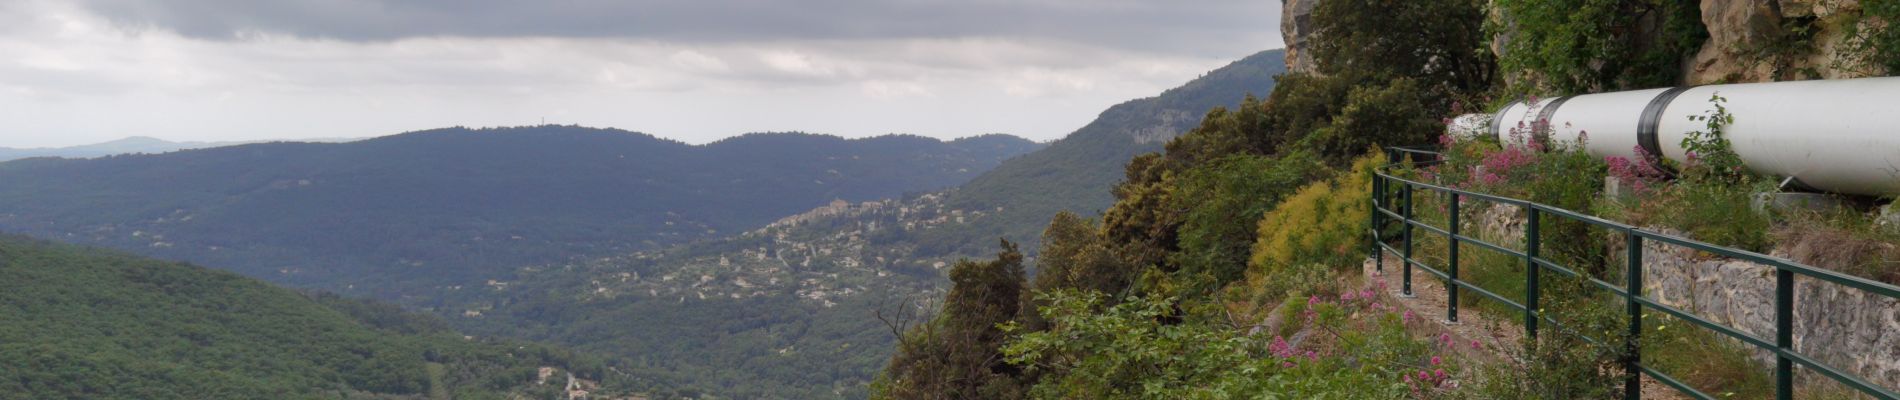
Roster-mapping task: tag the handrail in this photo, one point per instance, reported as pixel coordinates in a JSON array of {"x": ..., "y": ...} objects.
[{"x": 1781, "y": 345}]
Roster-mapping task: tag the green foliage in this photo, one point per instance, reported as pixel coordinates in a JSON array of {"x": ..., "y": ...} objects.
[
  {"x": 1719, "y": 214},
  {"x": 1322, "y": 225},
  {"x": 83, "y": 323},
  {"x": 1587, "y": 46},
  {"x": 1144, "y": 348},
  {"x": 1093, "y": 351},
  {"x": 1391, "y": 71},
  {"x": 1214, "y": 247},
  {"x": 1075, "y": 174},
  {"x": 1879, "y": 46},
  {"x": 1560, "y": 363},
  {"x": 1396, "y": 112},
  {"x": 1436, "y": 45},
  {"x": 956, "y": 355},
  {"x": 1076, "y": 256},
  {"x": 1711, "y": 158}
]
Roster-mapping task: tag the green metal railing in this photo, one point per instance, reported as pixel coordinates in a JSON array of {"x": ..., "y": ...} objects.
[{"x": 1384, "y": 198}]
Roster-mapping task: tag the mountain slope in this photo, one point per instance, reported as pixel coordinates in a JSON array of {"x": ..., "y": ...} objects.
[
  {"x": 130, "y": 145},
  {"x": 87, "y": 323},
  {"x": 785, "y": 311},
  {"x": 448, "y": 206},
  {"x": 788, "y": 311},
  {"x": 1075, "y": 174}
]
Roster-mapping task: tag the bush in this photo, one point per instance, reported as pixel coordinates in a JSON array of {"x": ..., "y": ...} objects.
[
  {"x": 1214, "y": 249},
  {"x": 1321, "y": 226}
]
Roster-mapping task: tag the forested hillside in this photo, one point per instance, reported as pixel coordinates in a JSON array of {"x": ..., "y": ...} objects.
[
  {"x": 95, "y": 324},
  {"x": 786, "y": 311},
  {"x": 452, "y": 206},
  {"x": 1074, "y": 173},
  {"x": 789, "y": 311}
]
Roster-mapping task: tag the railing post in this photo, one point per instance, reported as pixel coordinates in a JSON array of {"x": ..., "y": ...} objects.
[
  {"x": 1531, "y": 269},
  {"x": 1633, "y": 385},
  {"x": 1784, "y": 332},
  {"x": 1451, "y": 285},
  {"x": 1406, "y": 259},
  {"x": 1378, "y": 234}
]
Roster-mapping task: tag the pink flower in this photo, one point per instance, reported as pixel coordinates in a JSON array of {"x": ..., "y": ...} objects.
[
  {"x": 1365, "y": 294},
  {"x": 1440, "y": 373},
  {"x": 1436, "y": 361},
  {"x": 1280, "y": 348},
  {"x": 1474, "y": 344}
]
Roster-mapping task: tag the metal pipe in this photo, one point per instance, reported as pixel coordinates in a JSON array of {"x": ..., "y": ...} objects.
[{"x": 1840, "y": 136}]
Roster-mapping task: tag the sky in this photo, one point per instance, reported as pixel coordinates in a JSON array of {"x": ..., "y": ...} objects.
[{"x": 87, "y": 71}]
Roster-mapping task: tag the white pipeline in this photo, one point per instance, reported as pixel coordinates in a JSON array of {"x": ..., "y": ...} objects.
[{"x": 1839, "y": 136}]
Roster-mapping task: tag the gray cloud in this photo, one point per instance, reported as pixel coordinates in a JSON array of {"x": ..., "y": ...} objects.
[
  {"x": 1164, "y": 26},
  {"x": 218, "y": 70}
]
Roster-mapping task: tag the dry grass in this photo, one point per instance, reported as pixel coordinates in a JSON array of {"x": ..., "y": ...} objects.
[{"x": 1842, "y": 245}]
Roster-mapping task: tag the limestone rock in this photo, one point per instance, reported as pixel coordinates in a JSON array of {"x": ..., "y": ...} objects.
[
  {"x": 1741, "y": 31},
  {"x": 1296, "y": 26},
  {"x": 1737, "y": 28}
]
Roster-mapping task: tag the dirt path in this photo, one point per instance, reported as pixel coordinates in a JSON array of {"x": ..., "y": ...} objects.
[{"x": 1479, "y": 336}]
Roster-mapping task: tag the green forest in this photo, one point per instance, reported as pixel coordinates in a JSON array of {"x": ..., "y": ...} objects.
[{"x": 82, "y": 323}]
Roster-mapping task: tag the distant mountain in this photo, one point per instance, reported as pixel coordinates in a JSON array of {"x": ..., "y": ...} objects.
[
  {"x": 1075, "y": 173},
  {"x": 787, "y": 311},
  {"x": 449, "y": 207},
  {"x": 130, "y": 145},
  {"x": 95, "y": 324}
]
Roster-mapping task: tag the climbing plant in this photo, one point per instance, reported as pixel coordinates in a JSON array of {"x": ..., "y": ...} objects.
[
  {"x": 1868, "y": 37},
  {"x": 1711, "y": 157}
]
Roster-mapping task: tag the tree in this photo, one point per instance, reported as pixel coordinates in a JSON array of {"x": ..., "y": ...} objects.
[{"x": 955, "y": 355}]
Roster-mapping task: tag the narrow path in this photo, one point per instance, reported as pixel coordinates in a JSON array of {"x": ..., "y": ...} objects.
[{"x": 1480, "y": 336}]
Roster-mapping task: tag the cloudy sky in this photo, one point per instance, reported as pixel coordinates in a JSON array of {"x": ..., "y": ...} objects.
[{"x": 84, "y": 71}]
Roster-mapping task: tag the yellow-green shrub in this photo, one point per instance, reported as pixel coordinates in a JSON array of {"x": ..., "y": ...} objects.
[{"x": 1324, "y": 223}]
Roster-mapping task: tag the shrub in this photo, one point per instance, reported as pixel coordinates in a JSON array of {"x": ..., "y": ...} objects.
[
  {"x": 1213, "y": 197},
  {"x": 1559, "y": 363},
  {"x": 1323, "y": 225}
]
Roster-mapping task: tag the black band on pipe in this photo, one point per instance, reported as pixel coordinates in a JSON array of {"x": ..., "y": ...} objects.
[
  {"x": 1651, "y": 121},
  {"x": 1497, "y": 121},
  {"x": 1543, "y": 117}
]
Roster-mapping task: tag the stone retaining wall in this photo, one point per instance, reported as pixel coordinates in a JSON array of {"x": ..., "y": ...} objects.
[{"x": 1843, "y": 327}]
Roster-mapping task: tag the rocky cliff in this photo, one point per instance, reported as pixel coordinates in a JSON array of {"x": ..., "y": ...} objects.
[{"x": 1775, "y": 40}]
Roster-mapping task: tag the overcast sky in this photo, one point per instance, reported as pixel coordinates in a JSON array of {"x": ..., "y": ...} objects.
[{"x": 85, "y": 71}]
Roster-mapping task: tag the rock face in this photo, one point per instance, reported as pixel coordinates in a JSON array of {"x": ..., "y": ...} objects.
[
  {"x": 1756, "y": 41},
  {"x": 1296, "y": 26}
]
